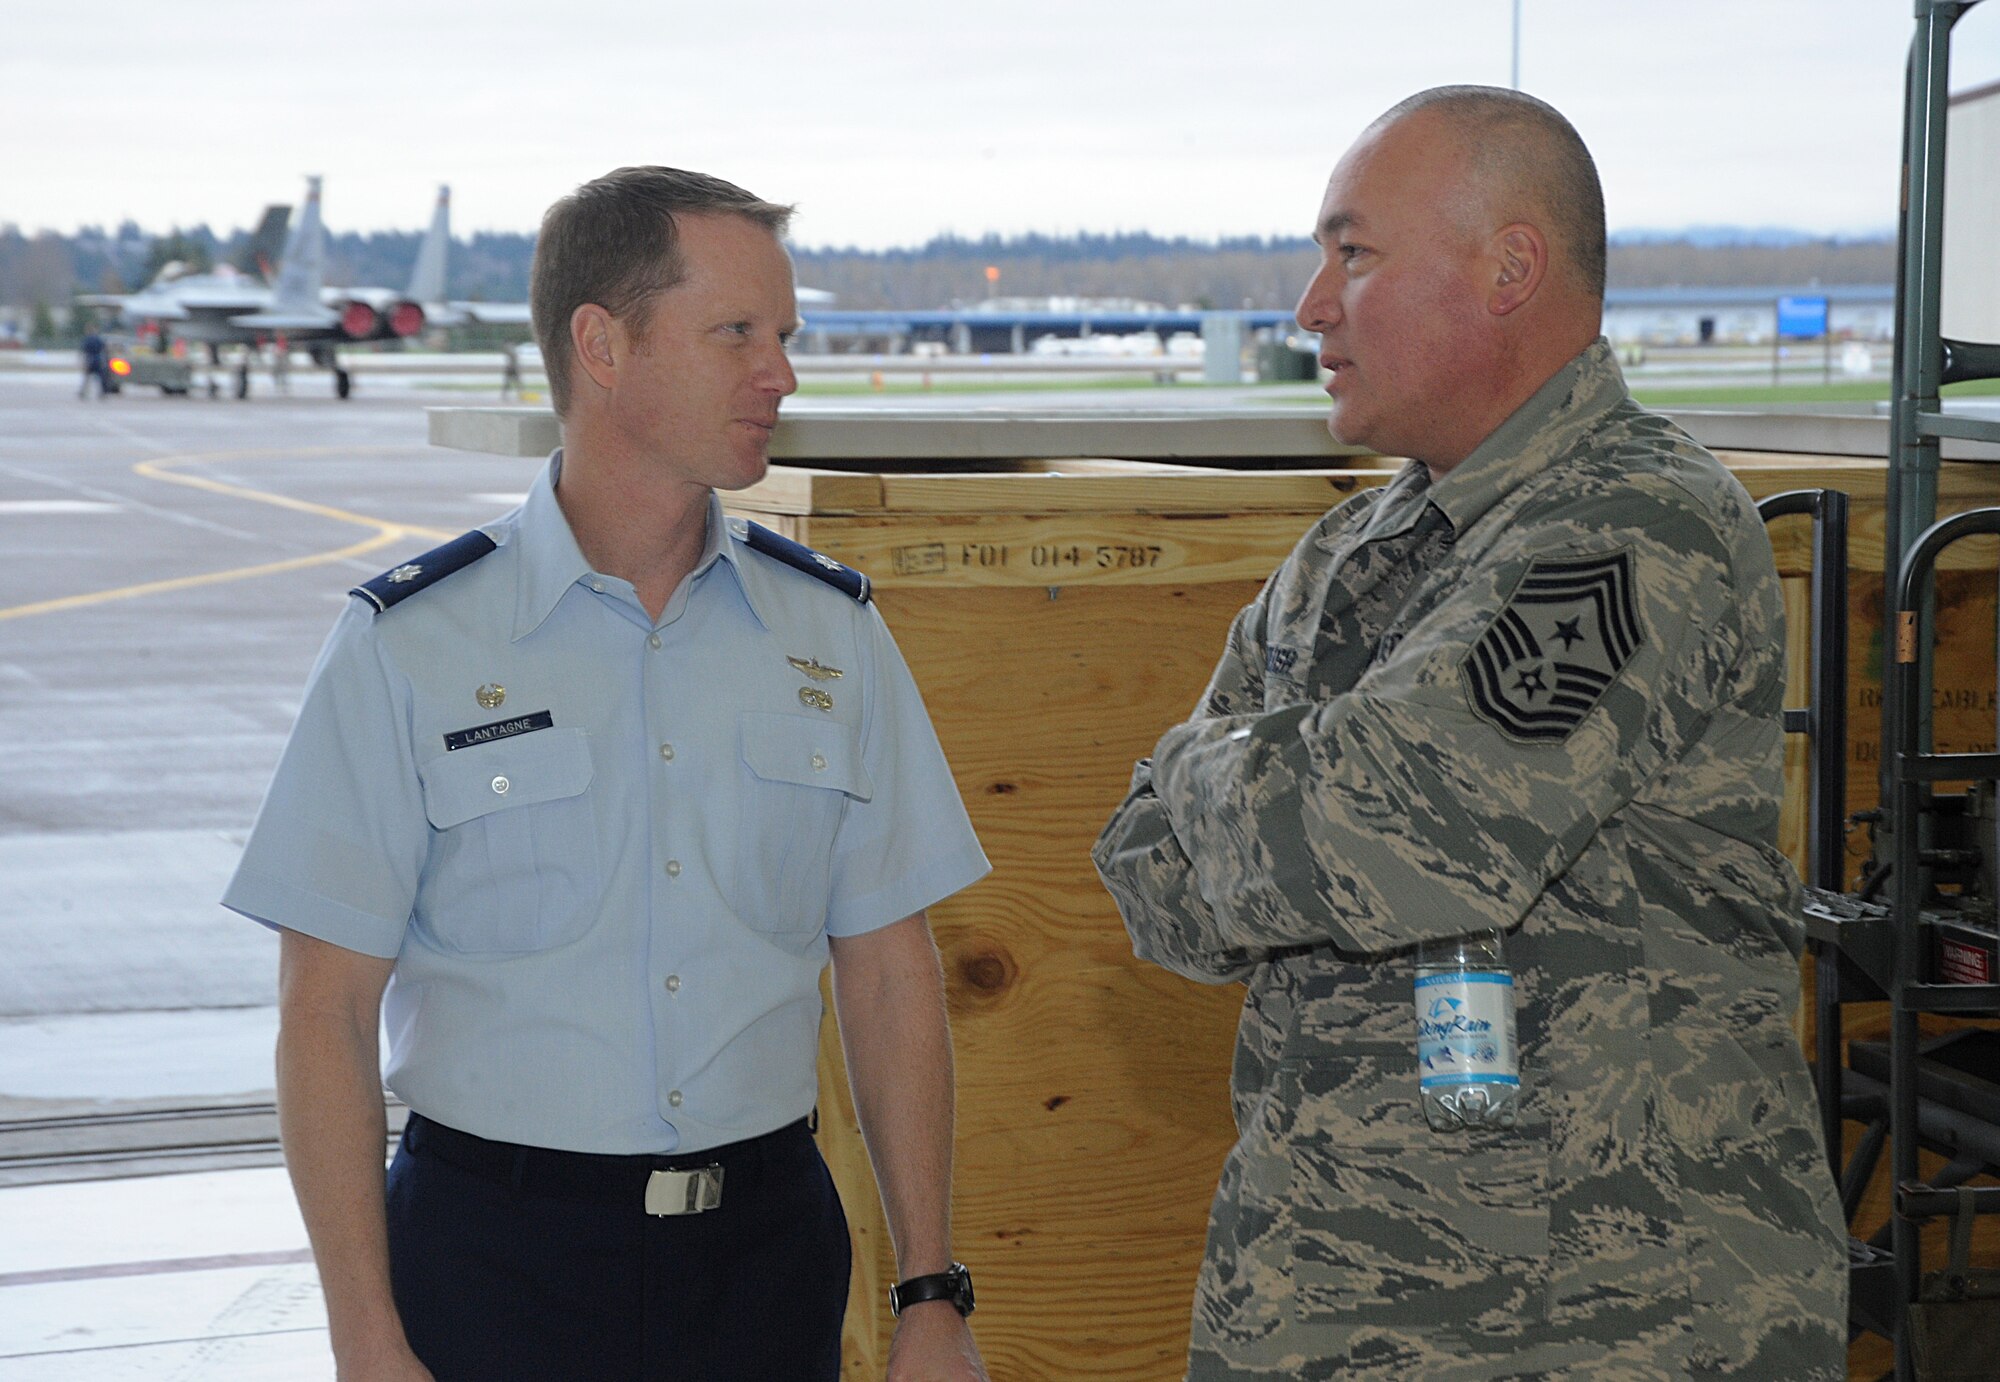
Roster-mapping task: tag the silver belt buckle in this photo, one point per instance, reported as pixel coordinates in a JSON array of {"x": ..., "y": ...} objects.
[{"x": 693, "y": 1191}]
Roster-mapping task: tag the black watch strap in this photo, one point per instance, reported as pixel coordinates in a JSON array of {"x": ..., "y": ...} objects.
[{"x": 954, "y": 1286}]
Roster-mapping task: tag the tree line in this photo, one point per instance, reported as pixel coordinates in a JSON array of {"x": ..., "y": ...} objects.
[{"x": 50, "y": 269}]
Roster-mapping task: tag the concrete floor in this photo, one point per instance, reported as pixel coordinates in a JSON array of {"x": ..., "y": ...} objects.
[{"x": 161, "y": 1278}]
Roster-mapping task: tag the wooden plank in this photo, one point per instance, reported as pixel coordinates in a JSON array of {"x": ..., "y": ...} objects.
[
  {"x": 1206, "y": 491},
  {"x": 1865, "y": 481},
  {"x": 1060, "y": 551},
  {"x": 495, "y": 431},
  {"x": 1084, "y": 485},
  {"x": 987, "y": 433},
  {"x": 1101, "y": 484},
  {"x": 806, "y": 489}
]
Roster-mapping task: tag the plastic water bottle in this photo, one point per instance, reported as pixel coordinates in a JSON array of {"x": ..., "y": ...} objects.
[{"x": 1468, "y": 1067}]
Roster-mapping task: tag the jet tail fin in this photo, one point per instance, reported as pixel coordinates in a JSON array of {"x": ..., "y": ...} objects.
[
  {"x": 262, "y": 252},
  {"x": 427, "y": 275},
  {"x": 302, "y": 271}
]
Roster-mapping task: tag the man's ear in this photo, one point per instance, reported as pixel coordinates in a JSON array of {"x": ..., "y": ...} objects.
[
  {"x": 594, "y": 339},
  {"x": 1519, "y": 254}
]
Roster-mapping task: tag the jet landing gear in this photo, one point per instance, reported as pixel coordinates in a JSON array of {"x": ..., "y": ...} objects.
[{"x": 343, "y": 383}]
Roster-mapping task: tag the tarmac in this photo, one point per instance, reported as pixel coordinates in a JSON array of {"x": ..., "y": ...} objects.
[{"x": 168, "y": 569}]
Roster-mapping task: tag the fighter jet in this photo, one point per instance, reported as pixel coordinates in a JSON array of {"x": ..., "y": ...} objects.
[
  {"x": 230, "y": 307},
  {"x": 235, "y": 307},
  {"x": 427, "y": 280}
]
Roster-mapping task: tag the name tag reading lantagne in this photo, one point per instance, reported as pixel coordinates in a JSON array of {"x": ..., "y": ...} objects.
[{"x": 499, "y": 729}]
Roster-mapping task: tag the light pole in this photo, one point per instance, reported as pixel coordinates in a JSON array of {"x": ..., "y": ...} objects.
[{"x": 1515, "y": 74}]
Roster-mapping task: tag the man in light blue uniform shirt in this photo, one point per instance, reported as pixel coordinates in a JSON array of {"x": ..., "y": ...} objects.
[{"x": 581, "y": 804}]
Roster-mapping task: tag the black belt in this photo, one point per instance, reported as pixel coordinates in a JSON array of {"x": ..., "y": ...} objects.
[{"x": 687, "y": 1183}]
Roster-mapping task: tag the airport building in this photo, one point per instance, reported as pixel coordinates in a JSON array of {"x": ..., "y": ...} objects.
[
  {"x": 1742, "y": 316},
  {"x": 1972, "y": 216}
]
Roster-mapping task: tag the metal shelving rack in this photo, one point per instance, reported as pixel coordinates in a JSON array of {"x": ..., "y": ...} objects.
[{"x": 1914, "y": 539}]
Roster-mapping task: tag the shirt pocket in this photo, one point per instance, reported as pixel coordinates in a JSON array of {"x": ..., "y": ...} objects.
[
  {"x": 800, "y": 775},
  {"x": 513, "y": 862}
]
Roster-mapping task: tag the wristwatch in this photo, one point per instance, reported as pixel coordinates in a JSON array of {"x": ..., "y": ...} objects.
[{"x": 954, "y": 1286}]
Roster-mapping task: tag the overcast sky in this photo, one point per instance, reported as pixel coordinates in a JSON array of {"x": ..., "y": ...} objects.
[{"x": 889, "y": 121}]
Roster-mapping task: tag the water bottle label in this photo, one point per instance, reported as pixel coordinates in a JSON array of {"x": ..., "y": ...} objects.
[{"x": 1465, "y": 1030}]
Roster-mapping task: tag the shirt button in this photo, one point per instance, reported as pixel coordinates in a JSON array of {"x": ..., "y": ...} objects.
[
  {"x": 597, "y": 586},
  {"x": 673, "y": 868},
  {"x": 653, "y": 641},
  {"x": 819, "y": 762},
  {"x": 673, "y": 983},
  {"x": 500, "y": 785},
  {"x": 674, "y": 1098},
  {"x": 667, "y": 753}
]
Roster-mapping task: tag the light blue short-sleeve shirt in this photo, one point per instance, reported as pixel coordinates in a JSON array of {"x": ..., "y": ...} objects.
[{"x": 606, "y": 853}]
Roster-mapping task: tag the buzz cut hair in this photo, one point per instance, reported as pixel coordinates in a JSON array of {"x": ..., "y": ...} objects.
[
  {"x": 1531, "y": 160},
  {"x": 614, "y": 242}
]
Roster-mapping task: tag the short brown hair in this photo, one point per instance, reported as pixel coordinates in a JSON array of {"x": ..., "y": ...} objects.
[
  {"x": 613, "y": 242},
  {"x": 1525, "y": 147}
]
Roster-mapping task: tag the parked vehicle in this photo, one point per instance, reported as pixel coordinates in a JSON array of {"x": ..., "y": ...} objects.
[{"x": 132, "y": 364}]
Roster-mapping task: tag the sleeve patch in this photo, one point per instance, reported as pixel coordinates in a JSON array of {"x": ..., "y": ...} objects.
[{"x": 1555, "y": 647}]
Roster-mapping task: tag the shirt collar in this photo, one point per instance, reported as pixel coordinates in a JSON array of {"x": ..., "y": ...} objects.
[
  {"x": 727, "y": 539},
  {"x": 1576, "y": 398},
  {"x": 551, "y": 562}
]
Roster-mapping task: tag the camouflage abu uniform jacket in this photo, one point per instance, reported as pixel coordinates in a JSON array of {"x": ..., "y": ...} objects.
[{"x": 1543, "y": 693}]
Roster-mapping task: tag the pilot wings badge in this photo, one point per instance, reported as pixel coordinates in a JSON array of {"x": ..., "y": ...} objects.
[
  {"x": 812, "y": 667},
  {"x": 1556, "y": 647}
]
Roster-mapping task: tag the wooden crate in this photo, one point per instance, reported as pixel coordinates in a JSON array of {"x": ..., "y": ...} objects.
[
  {"x": 1058, "y": 616},
  {"x": 1057, "y": 621}
]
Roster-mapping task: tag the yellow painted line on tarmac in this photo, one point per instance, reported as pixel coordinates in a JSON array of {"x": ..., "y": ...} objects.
[
  {"x": 168, "y": 468},
  {"x": 241, "y": 573}
]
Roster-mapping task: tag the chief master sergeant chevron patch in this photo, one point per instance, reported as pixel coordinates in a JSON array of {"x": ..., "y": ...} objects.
[{"x": 1555, "y": 647}]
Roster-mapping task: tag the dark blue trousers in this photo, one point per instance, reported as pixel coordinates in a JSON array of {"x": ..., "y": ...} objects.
[{"x": 521, "y": 1264}]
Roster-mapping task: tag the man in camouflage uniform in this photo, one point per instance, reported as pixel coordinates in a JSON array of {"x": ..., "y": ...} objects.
[{"x": 1533, "y": 683}]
